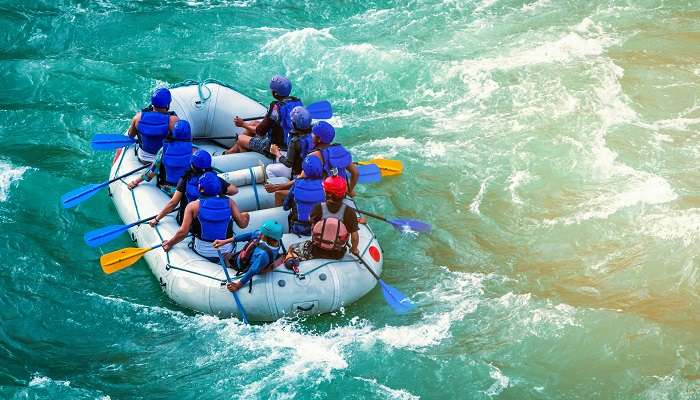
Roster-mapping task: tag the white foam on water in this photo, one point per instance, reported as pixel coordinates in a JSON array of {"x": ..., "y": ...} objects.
[
  {"x": 43, "y": 383},
  {"x": 296, "y": 41},
  {"x": 671, "y": 387},
  {"x": 476, "y": 203},
  {"x": 650, "y": 189},
  {"x": 501, "y": 382},
  {"x": 40, "y": 381},
  {"x": 386, "y": 147},
  {"x": 682, "y": 124},
  {"x": 682, "y": 225},
  {"x": 9, "y": 175},
  {"x": 535, "y": 5},
  {"x": 621, "y": 185},
  {"x": 584, "y": 40},
  {"x": 515, "y": 180},
  {"x": 485, "y": 4},
  {"x": 535, "y": 319},
  {"x": 206, "y": 4},
  {"x": 387, "y": 392}
]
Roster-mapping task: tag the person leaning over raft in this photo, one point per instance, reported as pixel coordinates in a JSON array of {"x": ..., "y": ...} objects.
[
  {"x": 152, "y": 124},
  {"x": 299, "y": 147},
  {"x": 288, "y": 165},
  {"x": 332, "y": 222},
  {"x": 305, "y": 194},
  {"x": 215, "y": 214},
  {"x": 265, "y": 247},
  {"x": 274, "y": 128},
  {"x": 171, "y": 161},
  {"x": 187, "y": 189},
  {"x": 336, "y": 159}
]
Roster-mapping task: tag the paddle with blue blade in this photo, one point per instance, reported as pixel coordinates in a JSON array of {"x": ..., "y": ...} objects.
[
  {"x": 320, "y": 109},
  {"x": 398, "y": 301},
  {"x": 402, "y": 225},
  {"x": 77, "y": 196},
  {"x": 106, "y": 234},
  {"x": 244, "y": 317},
  {"x": 111, "y": 141},
  {"x": 369, "y": 173}
]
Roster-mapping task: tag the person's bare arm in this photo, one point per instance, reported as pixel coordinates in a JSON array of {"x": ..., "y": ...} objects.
[
  {"x": 134, "y": 123},
  {"x": 173, "y": 120},
  {"x": 355, "y": 242},
  {"x": 231, "y": 190},
  {"x": 354, "y": 176},
  {"x": 249, "y": 126},
  {"x": 273, "y": 187},
  {"x": 241, "y": 219},
  {"x": 169, "y": 206},
  {"x": 184, "y": 228}
]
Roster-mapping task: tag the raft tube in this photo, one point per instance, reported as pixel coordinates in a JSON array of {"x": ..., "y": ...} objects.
[{"x": 193, "y": 282}]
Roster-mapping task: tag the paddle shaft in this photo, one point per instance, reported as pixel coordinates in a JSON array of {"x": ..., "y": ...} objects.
[
  {"x": 139, "y": 222},
  {"x": 235, "y": 295},
  {"x": 371, "y": 271},
  {"x": 107, "y": 183},
  {"x": 374, "y": 216}
]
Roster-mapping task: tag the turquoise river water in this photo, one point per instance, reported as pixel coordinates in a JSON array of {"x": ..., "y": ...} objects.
[{"x": 552, "y": 144}]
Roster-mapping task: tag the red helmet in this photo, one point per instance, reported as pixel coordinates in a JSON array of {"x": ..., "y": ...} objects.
[{"x": 335, "y": 186}]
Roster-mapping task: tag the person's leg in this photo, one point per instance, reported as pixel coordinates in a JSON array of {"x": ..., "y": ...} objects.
[{"x": 242, "y": 145}]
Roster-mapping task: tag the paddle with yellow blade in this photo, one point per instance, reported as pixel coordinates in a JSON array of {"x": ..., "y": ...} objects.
[
  {"x": 124, "y": 258},
  {"x": 387, "y": 167}
]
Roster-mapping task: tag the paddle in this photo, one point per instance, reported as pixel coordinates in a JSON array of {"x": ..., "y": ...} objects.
[
  {"x": 318, "y": 110},
  {"x": 369, "y": 173},
  {"x": 120, "y": 259},
  {"x": 104, "y": 235},
  {"x": 398, "y": 301},
  {"x": 77, "y": 196},
  {"x": 235, "y": 295},
  {"x": 402, "y": 225},
  {"x": 387, "y": 167},
  {"x": 111, "y": 141}
]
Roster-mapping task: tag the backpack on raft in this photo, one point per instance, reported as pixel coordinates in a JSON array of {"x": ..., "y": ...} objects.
[{"x": 330, "y": 233}]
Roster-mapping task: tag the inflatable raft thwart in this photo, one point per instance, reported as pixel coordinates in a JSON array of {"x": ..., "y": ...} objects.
[{"x": 192, "y": 281}]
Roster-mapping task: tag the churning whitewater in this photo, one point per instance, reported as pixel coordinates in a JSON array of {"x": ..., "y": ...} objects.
[{"x": 553, "y": 147}]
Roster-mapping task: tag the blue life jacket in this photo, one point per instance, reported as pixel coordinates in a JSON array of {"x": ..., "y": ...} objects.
[
  {"x": 335, "y": 157},
  {"x": 176, "y": 160},
  {"x": 307, "y": 193},
  {"x": 284, "y": 119},
  {"x": 214, "y": 218},
  {"x": 306, "y": 145},
  {"x": 152, "y": 129},
  {"x": 192, "y": 188}
]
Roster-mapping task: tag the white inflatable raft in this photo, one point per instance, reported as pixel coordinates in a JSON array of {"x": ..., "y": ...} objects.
[{"x": 192, "y": 281}]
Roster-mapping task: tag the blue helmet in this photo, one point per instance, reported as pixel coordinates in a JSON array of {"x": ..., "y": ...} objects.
[
  {"x": 272, "y": 229},
  {"x": 324, "y": 131},
  {"x": 201, "y": 159},
  {"x": 209, "y": 184},
  {"x": 161, "y": 98},
  {"x": 301, "y": 118},
  {"x": 182, "y": 131},
  {"x": 312, "y": 167},
  {"x": 281, "y": 85}
]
